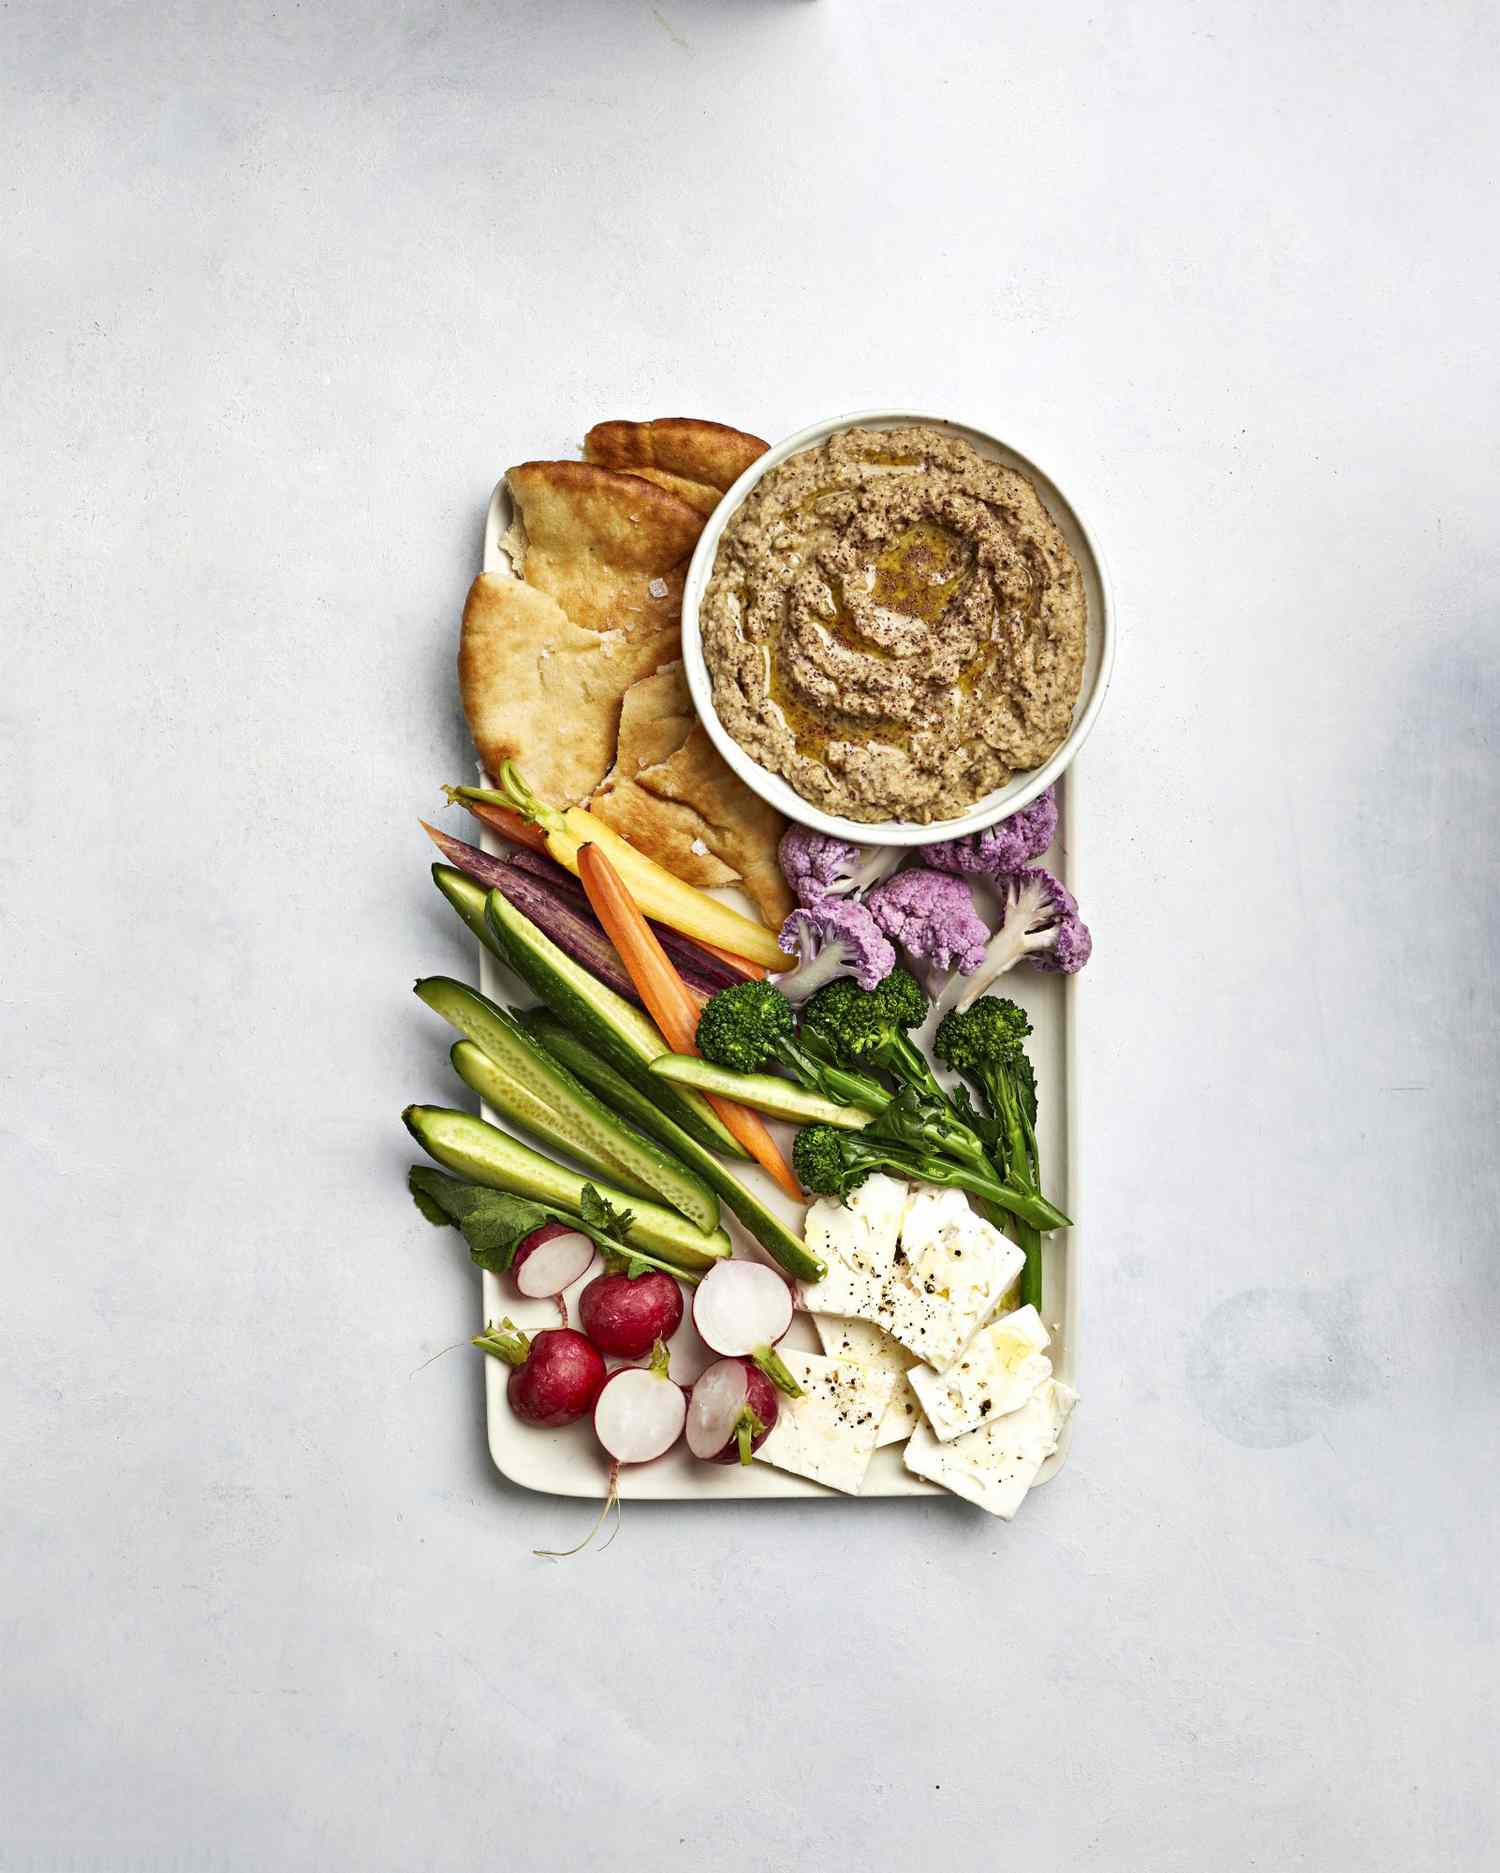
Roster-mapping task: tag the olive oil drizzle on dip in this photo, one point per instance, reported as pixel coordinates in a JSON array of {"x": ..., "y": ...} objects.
[{"x": 895, "y": 630}]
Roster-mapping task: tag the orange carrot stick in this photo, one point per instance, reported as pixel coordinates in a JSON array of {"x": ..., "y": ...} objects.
[
  {"x": 508, "y": 824},
  {"x": 669, "y": 1001}
]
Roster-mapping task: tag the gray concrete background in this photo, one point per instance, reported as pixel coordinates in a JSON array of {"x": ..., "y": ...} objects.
[{"x": 285, "y": 288}]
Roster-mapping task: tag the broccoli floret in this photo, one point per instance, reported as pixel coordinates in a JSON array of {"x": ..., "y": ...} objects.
[
  {"x": 740, "y": 1026},
  {"x": 867, "y": 1028},
  {"x": 833, "y": 939},
  {"x": 987, "y": 1044},
  {"x": 821, "y": 1167},
  {"x": 974, "y": 1040},
  {"x": 931, "y": 915},
  {"x": 832, "y": 1163},
  {"x": 901, "y": 999},
  {"x": 1004, "y": 847},
  {"x": 751, "y": 1026},
  {"x": 816, "y": 865}
]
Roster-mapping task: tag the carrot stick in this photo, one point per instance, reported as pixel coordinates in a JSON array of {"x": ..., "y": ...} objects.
[
  {"x": 753, "y": 972},
  {"x": 669, "y": 1001},
  {"x": 508, "y": 824}
]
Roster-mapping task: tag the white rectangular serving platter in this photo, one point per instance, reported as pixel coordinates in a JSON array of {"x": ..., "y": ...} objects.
[{"x": 568, "y": 1462}]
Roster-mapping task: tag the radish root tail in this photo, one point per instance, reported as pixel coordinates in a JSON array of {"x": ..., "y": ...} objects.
[{"x": 611, "y": 1501}]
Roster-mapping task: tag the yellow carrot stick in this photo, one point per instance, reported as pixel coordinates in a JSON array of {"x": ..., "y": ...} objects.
[{"x": 657, "y": 892}]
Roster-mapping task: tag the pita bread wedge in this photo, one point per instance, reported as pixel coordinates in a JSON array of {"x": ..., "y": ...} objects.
[
  {"x": 695, "y": 460},
  {"x": 598, "y": 541},
  {"x": 698, "y": 494},
  {"x": 545, "y": 659},
  {"x": 544, "y": 691},
  {"x": 673, "y": 797}
]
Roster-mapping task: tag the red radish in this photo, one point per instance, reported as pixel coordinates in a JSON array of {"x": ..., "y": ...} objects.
[
  {"x": 625, "y": 1316},
  {"x": 550, "y": 1259},
  {"x": 637, "y": 1416},
  {"x": 744, "y": 1308},
  {"x": 732, "y": 1411},
  {"x": 558, "y": 1373}
]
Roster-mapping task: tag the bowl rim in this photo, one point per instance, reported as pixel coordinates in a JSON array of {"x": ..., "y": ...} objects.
[{"x": 774, "y": 788}]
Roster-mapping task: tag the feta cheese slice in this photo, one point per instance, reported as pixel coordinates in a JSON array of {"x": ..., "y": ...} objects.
[
  {"x": 858, "y": 1240},
  {"x": 869, "y": 1345},
  {"x": 994, "y": 1466},
  {"x": 829, "y": 1433},
  {"x": 995, "y": 1374},
  {"x": 952, "y": 1272}
]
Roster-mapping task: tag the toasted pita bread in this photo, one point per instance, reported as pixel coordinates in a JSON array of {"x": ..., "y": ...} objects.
[
  {"x": 544, "y": 691},
  {"x": 698, "y": 494},
  {"x": 656, "y": 718},
  {"x": 673, "y": 797},
  {"x": 596, "y": 540},
  {"x": 695, "y": 460},
  {"x": 544, "y": 660}
]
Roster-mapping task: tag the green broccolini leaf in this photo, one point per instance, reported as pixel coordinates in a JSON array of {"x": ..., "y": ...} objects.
[
  {"x": 990, "y": 1134},
  {"x": 1026, "y": 1084}
]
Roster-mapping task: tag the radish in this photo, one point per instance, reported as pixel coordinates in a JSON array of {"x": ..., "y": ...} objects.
[
  {"x": 626, "y": 1315},
  {"x": 638, "y": 1415},
  {"x": 732, "y": 1411},
  {"x": 743, "y": 1309},
  {"x": 550, "y": 1259},
  {"x": 558, "y": 1373}
]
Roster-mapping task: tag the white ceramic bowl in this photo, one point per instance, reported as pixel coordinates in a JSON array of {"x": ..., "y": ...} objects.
[{"x": 1004, "y": 800}]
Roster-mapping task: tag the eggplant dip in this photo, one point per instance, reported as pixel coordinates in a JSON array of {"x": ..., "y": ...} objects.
[{"x": 895, "y": 624}]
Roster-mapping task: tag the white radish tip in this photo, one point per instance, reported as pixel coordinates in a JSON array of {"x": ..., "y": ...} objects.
[
  {"x": 554, "y": 1265},
  {"x": 639, "y": 1414},
  {"x": 719, "y": 1395},
  {"x": 739, "y": 1307}
]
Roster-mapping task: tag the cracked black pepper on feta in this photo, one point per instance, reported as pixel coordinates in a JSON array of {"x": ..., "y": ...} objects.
[{"x": 895, "y": 624}]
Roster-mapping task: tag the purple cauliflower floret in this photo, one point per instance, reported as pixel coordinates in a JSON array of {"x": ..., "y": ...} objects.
[
  {"x": 818, "y": 866},
  {"x": 1039, "y": 924},
  {"x": 1071, "y": 950},
  {"x": 932, "y": 916},
  {"x": 832, "y": 938},
  {"x": 1002, "y": 848}
]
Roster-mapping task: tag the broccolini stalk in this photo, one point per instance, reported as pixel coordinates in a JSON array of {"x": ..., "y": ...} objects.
[
  {"x": 905, "y": 1140},
  {"x": 986, "y": 1043}
]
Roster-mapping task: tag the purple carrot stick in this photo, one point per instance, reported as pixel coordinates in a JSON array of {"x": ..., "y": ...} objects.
[
  {"x": 697, "y": 967},
  {"x": 576, "y": 934}
]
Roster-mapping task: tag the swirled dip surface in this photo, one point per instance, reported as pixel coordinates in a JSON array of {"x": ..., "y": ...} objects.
[{"x": 895, "y": 624}]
